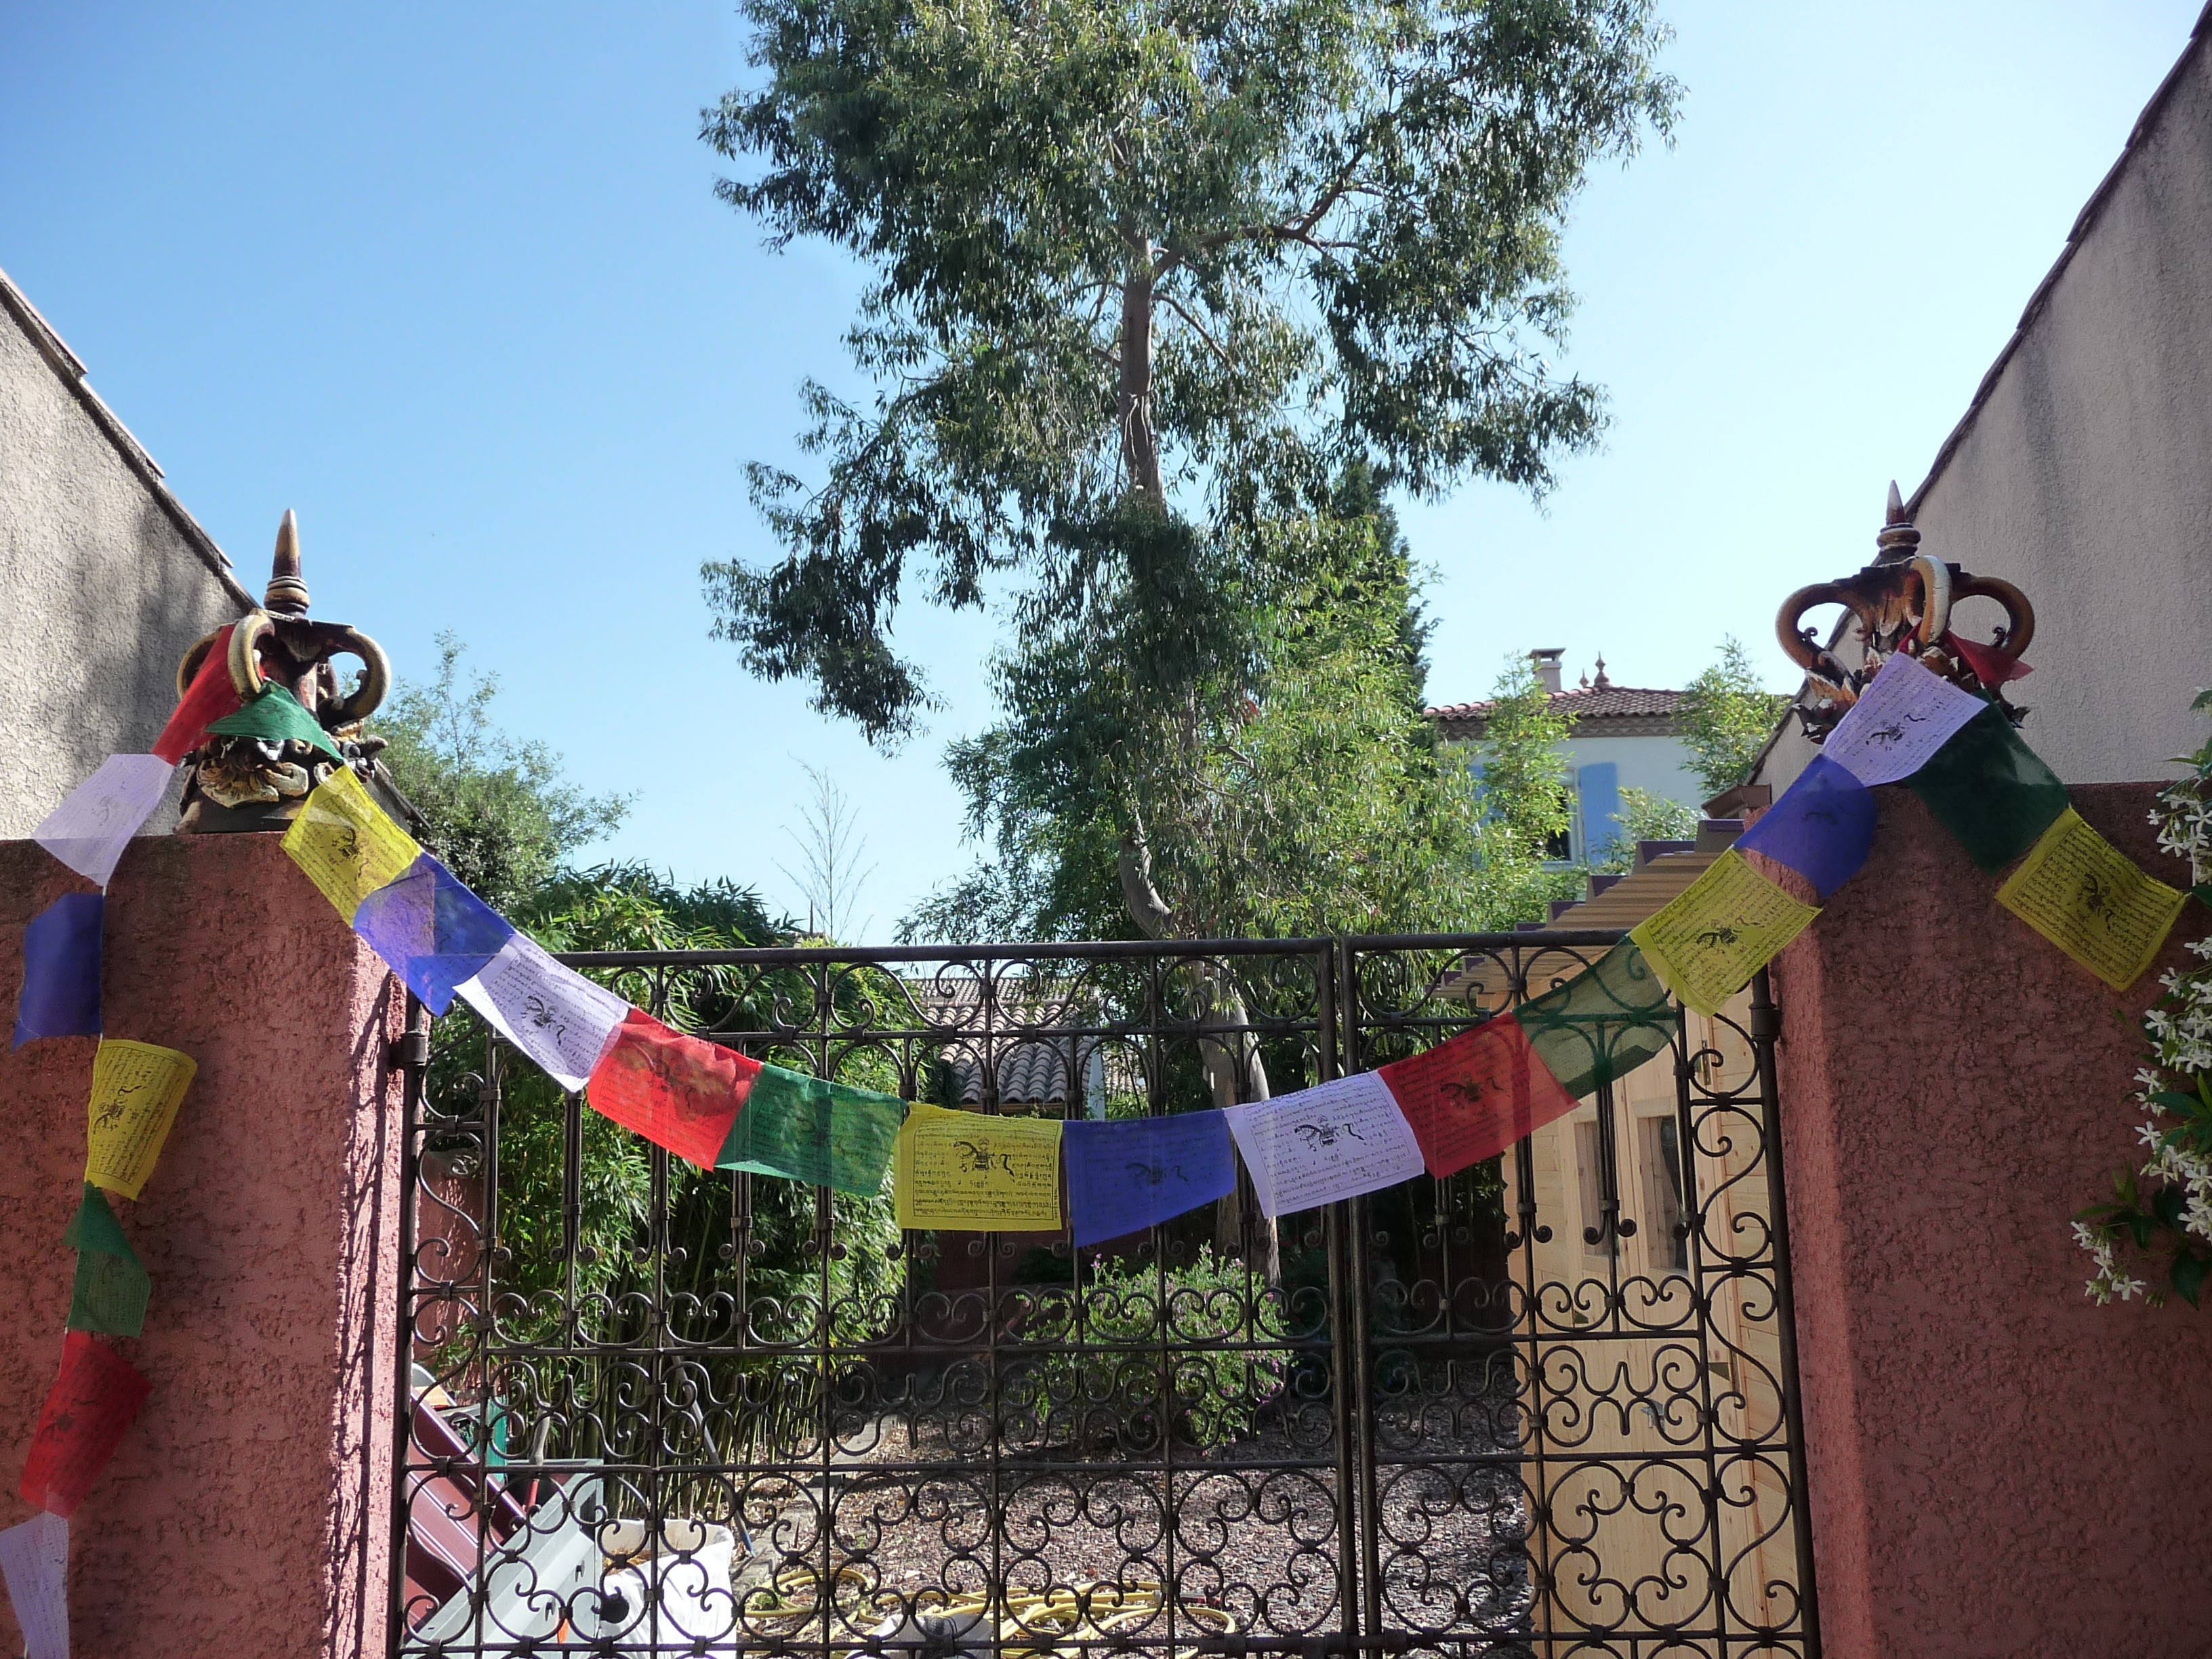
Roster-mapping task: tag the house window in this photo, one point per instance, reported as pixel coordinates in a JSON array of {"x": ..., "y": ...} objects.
[
  {"x": 1663, "y": 1195},
  {"x": 1558, "y": 846}
]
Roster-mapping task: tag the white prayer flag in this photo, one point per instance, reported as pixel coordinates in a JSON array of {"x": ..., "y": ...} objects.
[
  {"x": 1902, "y": 718},
  {"x": 1337, "y": 1141},
  {"x": 89, "y": 830},
  {"x": 35, "y": 1561},
  {"x": 552, "y": 1013}
]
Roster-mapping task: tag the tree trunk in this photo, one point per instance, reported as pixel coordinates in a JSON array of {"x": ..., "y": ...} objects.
[
  {"x": 1140, "y": 441},
  {"x": 1234, "y": 1070}
]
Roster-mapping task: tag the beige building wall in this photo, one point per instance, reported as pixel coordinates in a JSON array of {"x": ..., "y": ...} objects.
[
  {"x": 104, "y": 577},
  {"x": 2083, "y": 471}
]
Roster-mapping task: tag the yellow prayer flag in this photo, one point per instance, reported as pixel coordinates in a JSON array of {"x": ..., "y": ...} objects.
[
  {"x": 136, "y": 1088},
  {"x": 2086, "y": 898},
  {"x": 974, "y": 1172},
  {"x": 347, "y": 844},
  {"x": 1719, "y": 931}
]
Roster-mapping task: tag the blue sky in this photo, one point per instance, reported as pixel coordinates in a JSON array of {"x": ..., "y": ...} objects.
[{"x": 451, "y": 281}]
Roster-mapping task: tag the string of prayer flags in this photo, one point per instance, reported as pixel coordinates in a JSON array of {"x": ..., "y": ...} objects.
[
  {"x": 1471, "y": 1096},
  {"x": 678, "y": 1091},
  {"x": 1720, "y": 930},
  {"x": 347, "y": 844},
  {"x": 209, "y": 697},
  {"x": 1990, "y": 790},
  {"x": 2087, "y": 897},
  {"x": 431, "y": 931},
  {"x": 1822, "y": 826},
  {"x": 1127, "y": 1174},
  {"x": 35, "y": 1562},
  {"x": 805, "y": 1128},
  {"x": 1991, "y": 666},
  {"x": 60, "y": 970},
  {"x": 973, "y": 1172},
  {"x": 555, "y": 1015},
  {"x": 89, "y": 830},
  {"x": 1337, "y": 1139},
  {"x": 91, "y": 1404},
  {"x": 111, "y": 1289},
  {"x": 136, "y": 1088},
  {"x": 277, "y": 716},
  {"x": 1603, "y": 1023},
  {"x": 1903, "y": 716}
]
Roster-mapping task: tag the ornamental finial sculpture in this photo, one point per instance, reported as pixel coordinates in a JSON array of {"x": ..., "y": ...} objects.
[
  {"x": 1901, "y": 602},
  {"x": 257, "y": 779}
]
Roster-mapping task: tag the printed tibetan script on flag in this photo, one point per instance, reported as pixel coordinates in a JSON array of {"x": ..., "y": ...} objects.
[
  {"x": 976, "y": 1172},
  {"x": 347, "y": 844},
  {"x": 2087, "y": 897},
  {"x": 1471, "y": 1098},
  {"x": 678, "y": 1091},
  {"x": 551, "y": 1013},
  {"x": 87, "y": 1411},
  {"x": 805, "y": 1128},
  {"x": 1336, "y": 1140},
  {"x": 89, "y": 830},
  {"x": 1131, "y": 1173},
  {"x": 1720, "y": 931},
  {"x": 136, "y": 1088},
  {"x": 1904, "y": 714}
]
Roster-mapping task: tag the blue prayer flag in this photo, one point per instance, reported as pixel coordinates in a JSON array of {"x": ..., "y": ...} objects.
[
  {"x": 1129, "y": 1173},
  {"x": 1822, "y": 826},
  {"x": 60, "y": 970},
  {"x": 431, "y": 931}
]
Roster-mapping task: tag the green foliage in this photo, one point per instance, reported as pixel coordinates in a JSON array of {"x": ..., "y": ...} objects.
[
  {"x": 1156, "y": 251},
  {"x": 1644, "y": 817},
  {"x": 1105, "y": 1385},
  {"x": 1727, "y": 717},
  {"x": 502, "y": 815}
]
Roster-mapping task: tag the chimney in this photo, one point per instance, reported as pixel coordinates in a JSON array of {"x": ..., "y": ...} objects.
[{"x": 1548, "y": 667}]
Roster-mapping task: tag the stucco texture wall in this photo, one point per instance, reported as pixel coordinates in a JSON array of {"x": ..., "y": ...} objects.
[
  {"x": 1998, "y": 1466},
  {"x": 99, "y": 593},
  {"x": 247, "y": 1511}
]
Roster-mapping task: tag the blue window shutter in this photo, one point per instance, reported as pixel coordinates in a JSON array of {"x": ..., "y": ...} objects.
[{"x": 1599, "y": 786}]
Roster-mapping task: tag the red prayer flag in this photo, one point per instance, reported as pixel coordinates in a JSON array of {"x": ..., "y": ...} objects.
[
  {"x": 1473, "y": 1096},
  {"x": 681, "y": 1092},
  {"x": 90, "y": 1405},
  {"x": 206, "y": 700},
  {"x": 1991, "y": 667}
]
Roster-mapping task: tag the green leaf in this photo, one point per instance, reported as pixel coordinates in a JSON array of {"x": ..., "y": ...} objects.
[
  {"x": 2189, "y": 1273},
  {"x": 2167, "y": 1207}
]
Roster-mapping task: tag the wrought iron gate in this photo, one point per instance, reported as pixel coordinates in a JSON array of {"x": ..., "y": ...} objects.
[{"x": 1542, "y": 1408}]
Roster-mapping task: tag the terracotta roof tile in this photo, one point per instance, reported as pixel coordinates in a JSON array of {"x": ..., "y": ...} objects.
[{"x": 1591, "y": 702}]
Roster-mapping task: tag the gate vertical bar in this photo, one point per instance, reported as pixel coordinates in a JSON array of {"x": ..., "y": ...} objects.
[
  {"x": 1333, "y": 1022},
  {"x": 1362, "y": 1277},
  {"x": 1765, "y": 1027},
  {"x": 415, "y": 1063}
]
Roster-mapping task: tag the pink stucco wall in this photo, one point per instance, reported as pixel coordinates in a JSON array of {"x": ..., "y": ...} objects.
[
  {"x": 247, "y": 1511},
  {"x": 1998, "y": 1466}
]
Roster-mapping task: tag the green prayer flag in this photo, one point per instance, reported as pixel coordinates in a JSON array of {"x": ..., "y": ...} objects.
[
  {"x": 804, "y": 1129},
  {"x": 1990, "y": 790},
  {"x": 1603, "y": 1023},
  {"x": 274, "y": 716},
  {"x": 111, "y": 1290}
]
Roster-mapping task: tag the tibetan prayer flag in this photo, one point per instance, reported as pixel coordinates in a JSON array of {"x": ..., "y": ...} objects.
[
  {"x": 976, "y": 1172},
  {"x": 1719, "y": 931},
  {"x": 60, "y": 970},
  {"x": 1603, "y": 1023},
  {"x": 1906, "y": 714},
  {"x": 1822, "y": 826},
  {"x": 277, "y": 716},
  {"x": 1991, "y": 791},
  {"x": 678, "y": 1091},
  {"x": 1125, "y": 1174},
  {"x": 555, "y": 1015},
  {"x": 431, "y": 931},
  {"x": 1335, "y": 1141},
  {"x": 1990, "y": 666},
  {"x": 209, "y": 697},
  {"x": 89, "y": 830},
  {"x": 136, "y": 1088},
  {"x": 90, "y": 1405},
  {"x": 111, "y": 1289},
  {"x": 35, "y": 1561},
  {"x": 1470, "y": 1097},
  {"x": 2087, "y": 897},
  {"x": 805, "y": 1128},
  {"x": 347, "y": 844}
]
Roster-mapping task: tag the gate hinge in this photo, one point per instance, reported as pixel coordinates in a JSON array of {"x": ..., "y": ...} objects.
[{"x": 410, "y": 1051}]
